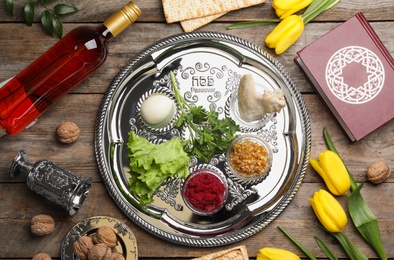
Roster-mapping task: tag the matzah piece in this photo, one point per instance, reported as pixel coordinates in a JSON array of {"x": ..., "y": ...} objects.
[
  {"x": 180, "y": 10},
  {"x": 193, "y": 24},
  {"x": 235, "y": 253}
]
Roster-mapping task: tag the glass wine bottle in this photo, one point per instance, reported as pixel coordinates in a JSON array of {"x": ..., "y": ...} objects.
[{"x": 59, "y": 70}]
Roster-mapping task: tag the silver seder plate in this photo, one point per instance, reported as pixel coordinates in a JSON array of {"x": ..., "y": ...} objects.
[{"x": 208, "y": 67}]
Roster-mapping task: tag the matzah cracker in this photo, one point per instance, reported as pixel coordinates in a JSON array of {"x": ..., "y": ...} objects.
[
  {"x": 180, "y": 10},
  {"x": 193, "y": 24},
  {"x": 235, "y": 253}
]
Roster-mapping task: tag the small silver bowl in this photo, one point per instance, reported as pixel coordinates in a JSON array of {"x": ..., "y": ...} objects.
[
  {"x": 248, "y": 159},
  {"x": 205, "y": 191}
]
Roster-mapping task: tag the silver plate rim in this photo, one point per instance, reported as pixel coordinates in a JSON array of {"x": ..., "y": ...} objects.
[{"x": 231, "y": 237}]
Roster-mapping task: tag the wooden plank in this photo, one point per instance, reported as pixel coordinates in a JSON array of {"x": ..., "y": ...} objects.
[
  {"x": 298, "y": 218},
  {"x": 98, "y": 11},
  {"x": 136, "y": 38}
]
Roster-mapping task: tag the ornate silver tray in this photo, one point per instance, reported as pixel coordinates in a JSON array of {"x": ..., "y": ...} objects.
[
  {"x": 127, "y": 243},
  {"x": 208, "y": 67}
]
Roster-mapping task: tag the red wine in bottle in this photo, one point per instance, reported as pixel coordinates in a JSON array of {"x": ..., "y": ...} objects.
[{"x": 59, "y": 70}]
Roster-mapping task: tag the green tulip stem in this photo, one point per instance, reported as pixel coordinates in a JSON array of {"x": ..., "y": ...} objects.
[
  {"x": 300, "y": 246},
  {"x": 252, "y": 23},
  {"x": 317, "y": 7},
  {"x": 348, "y": 246},
  {"x": 350, "y": 249}
]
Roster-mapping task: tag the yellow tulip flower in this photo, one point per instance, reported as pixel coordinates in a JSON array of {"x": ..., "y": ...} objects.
[
  {"x": 285, "y": 33},
  {"x": 285, "y": 8},
  {"x": 270, "y": 253},
  {"x": 328, "y": 210},
  {"x": 333, "y": 171}
]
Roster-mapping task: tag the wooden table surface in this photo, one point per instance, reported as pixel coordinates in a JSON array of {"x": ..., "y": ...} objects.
[{"x": 21, "y": 44}]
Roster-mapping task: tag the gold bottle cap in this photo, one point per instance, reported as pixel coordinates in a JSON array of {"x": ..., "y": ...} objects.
[{"x": 120, "y": 20}]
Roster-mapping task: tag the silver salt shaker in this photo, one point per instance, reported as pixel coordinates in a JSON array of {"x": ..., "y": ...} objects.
[{"x": 52, "y": 182}]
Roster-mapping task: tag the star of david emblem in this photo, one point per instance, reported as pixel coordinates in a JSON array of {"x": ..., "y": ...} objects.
[{"x": 355, "y": 75}]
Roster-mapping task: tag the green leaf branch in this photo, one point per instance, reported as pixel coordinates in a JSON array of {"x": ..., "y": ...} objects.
[
  {"x": 209, "y": 135},
  {"x": 50, "y": 18}
]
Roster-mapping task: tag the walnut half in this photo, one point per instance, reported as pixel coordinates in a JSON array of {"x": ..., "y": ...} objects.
[{"x": 378, "y": 172}]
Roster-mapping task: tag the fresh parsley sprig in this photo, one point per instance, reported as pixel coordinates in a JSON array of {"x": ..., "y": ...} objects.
[
  {"x": 50, "y": 18},
  {"x": 209, "y": 135}
]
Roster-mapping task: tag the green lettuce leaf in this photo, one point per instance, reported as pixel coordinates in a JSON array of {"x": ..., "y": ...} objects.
[{"x": 152, "y": 164}]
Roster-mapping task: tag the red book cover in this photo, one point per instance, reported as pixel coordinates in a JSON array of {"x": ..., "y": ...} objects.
[{"x": 353, "y": 73}]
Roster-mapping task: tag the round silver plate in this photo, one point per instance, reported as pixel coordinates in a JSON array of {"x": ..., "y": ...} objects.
[
  {"x": 208, "y": 67},
  {"x": 126, "y": 241}
]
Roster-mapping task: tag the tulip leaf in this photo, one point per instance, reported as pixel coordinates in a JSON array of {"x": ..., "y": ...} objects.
[
  {"x": 300, "y": 246},
  {"x": 29, "y": 12},
  {"x": 61, "y": 9},
  {"x": 315, "y": 4},
  {"x": 10, "y": 6},
  {"x": 327, "y": 251},
  {"x": 365, "y": 221},
  {"x": 317, "y": 8}
]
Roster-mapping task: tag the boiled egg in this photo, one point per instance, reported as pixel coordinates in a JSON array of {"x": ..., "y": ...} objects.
[{"x": 158, "y": 110}]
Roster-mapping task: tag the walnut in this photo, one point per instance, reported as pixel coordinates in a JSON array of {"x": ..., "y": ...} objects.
[
  {"x": 378, "y": 172},
  {"x": 67, "y": 132},
  {"x": 105, "y": 235},
  {"x": 117, "y": 256},
  {"x": 100, "y": 252},
  {"x": 42, "y": 256},
  {"x": 42, "y": 225},
  {"x": 82, "y": 246}
]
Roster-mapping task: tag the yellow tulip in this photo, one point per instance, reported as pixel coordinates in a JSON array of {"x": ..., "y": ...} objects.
[
  {"x": 285, "y": 8},
  {"x": 269, "y": 253},
  {"x": 285, "y": 33},
  {"x": 333, "y": 171},
  {"x": 328, "y": 210}
]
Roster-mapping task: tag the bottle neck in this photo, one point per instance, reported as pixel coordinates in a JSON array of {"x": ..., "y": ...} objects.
[
  {"x": 106, "y": 33},
  {"x": 122, "y": 19}
]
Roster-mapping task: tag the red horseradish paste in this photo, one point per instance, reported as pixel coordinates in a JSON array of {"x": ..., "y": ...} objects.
[{"x": 205, "y": 192}]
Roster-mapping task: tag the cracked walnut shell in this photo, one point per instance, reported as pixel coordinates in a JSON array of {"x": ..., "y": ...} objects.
[
  {"x": 105, "y": 235},
  {"x": 378, "y": 172},
  {"x": 100, "y": 252},
  {"x": 67, "y": 132},
  {"x": 82, "y": 246},
  {"x": 42, "y": 225}
]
